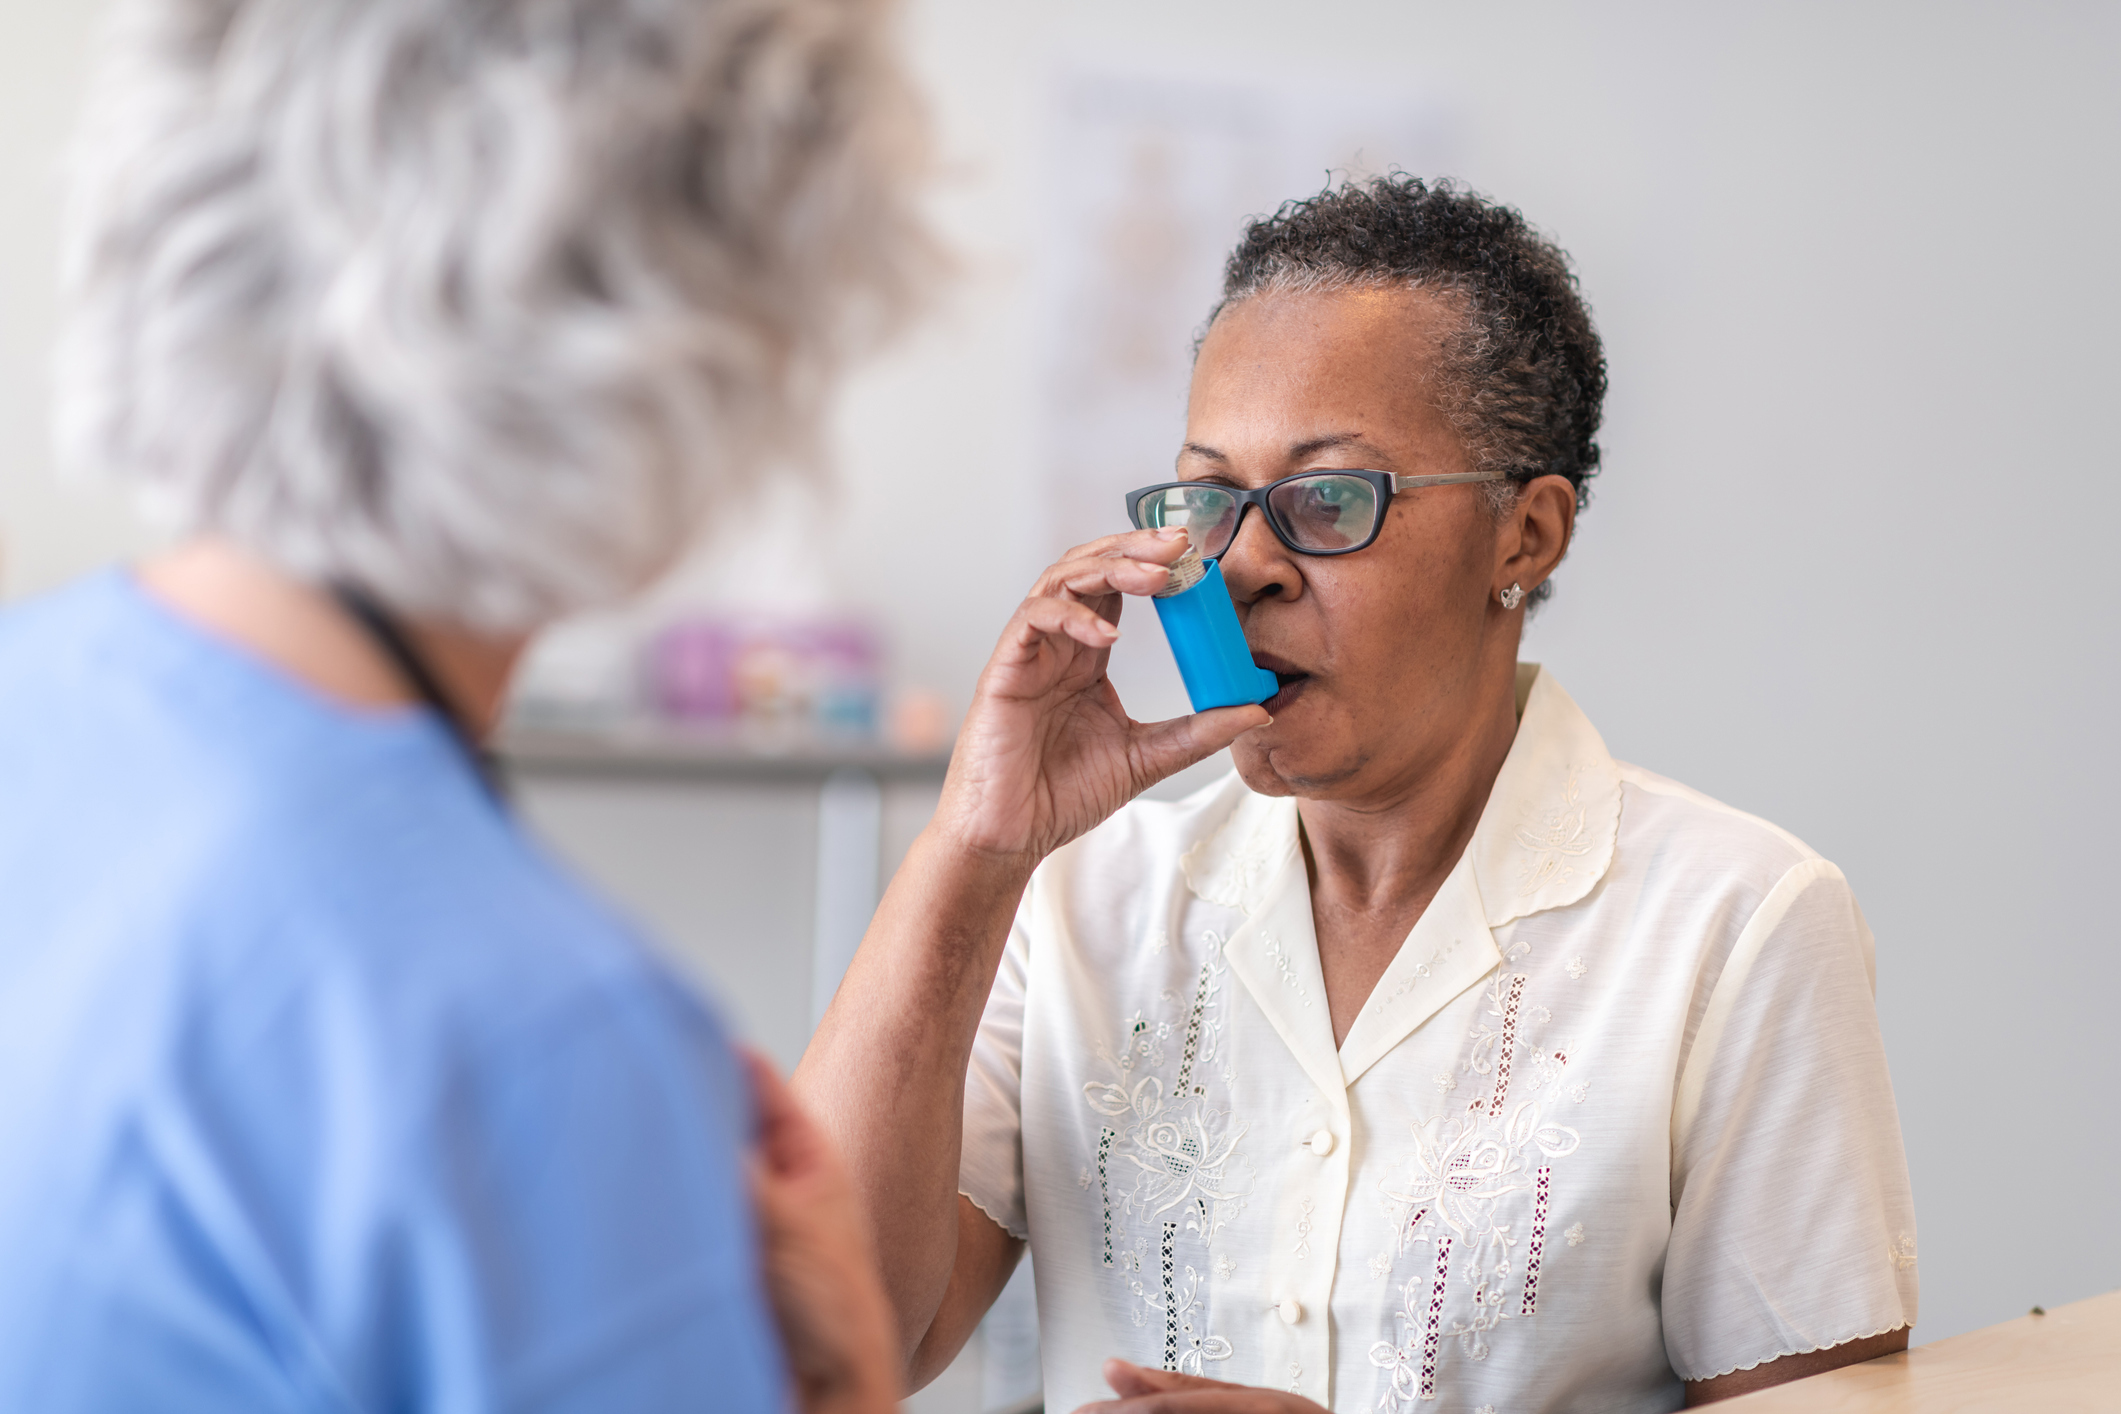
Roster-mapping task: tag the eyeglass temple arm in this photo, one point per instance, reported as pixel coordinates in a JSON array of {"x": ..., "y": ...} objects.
[{"x": 1456, "y": 478}]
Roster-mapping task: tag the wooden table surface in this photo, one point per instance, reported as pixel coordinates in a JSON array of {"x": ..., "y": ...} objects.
[{"x": 2060, "y": 1363}]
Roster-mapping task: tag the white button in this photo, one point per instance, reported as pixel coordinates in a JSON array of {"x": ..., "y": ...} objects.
[
  {"x": 1291, "y": 1311},
  {"x": 1321, "y": 1143}
]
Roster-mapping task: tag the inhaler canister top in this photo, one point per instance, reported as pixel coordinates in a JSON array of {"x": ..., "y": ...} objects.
[
  {"x": 1201, "y": 623},
  {"x": 1186, "y": 571}
]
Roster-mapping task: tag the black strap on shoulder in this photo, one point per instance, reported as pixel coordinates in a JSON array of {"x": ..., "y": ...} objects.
[{"x": 390, "y": 640}]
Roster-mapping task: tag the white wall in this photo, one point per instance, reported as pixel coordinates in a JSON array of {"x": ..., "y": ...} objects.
[
  {"x": 1847, "y": 567},
  {"x": 47, "y": 532}
]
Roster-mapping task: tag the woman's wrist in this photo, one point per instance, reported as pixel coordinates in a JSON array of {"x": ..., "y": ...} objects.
[
  {"x": 870, "y": 1383},
  {"x": 959, "y": 863}
]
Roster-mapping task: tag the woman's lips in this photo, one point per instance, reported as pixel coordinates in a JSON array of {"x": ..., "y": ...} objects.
[
  {"x": 1293, "y": 680},
  {"x": 1292, "y": 687}
]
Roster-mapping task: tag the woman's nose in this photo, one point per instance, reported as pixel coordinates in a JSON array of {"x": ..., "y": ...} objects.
[{"x": 1257, "y": 565}]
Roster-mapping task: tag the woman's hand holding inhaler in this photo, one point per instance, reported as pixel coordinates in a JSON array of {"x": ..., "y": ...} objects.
[{"x": 1047, "y": 752}]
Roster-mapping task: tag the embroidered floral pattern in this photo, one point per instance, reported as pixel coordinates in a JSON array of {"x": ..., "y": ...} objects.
[
  {"x": 1509, "y": 1042},
  {"x": 1487, "y": 1039},
  {"x": 1382, "y": 1002},
  {"x": 1185, "y": 1084},
  {"x": 1284, "y": 966},
  {"x": 1553, "y": 836},
  {"x": 1169, "y": 1157},
  {"x": 1432, "y": 1333},
  {"x": 1472, "y": 1188},
  {"x": 1467, "y": 1168},
  {"x": 1232, "y": 866},
  {"x": 1411, "y": 1362},
  {"x": 1902, "y": 1253},
  {"x": 1177, "y": 1300},
  {"x": 1170, "y": 1252},
  {"x": 1542, "y": 1190},
  {"x": 1105, "y": 1137}
]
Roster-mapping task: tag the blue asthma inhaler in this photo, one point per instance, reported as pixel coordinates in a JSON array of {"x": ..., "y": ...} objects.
[{"x": 1201, "y": 623}]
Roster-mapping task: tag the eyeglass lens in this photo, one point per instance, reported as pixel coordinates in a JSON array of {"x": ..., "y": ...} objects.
[{"x": 1323, "y": 512}]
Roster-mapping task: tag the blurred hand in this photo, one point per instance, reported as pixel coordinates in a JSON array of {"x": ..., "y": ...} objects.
[
  {"x": 1047, "y": 752},
  {"x": 820, "y": 1260},
  {"x": 1145, "y": 1391}
]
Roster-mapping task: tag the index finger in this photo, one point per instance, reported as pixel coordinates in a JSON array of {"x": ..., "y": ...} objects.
[
  {"x": 1161, "y": 546},
  {"x": 1136, "y": 563}
]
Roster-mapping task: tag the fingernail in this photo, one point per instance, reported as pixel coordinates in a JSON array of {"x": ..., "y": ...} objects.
[
  {"x": 1111, "y": 629},
  {"x": 1170, "y": 532}
]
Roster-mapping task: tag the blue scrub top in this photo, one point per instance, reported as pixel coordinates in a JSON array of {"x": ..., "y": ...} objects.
[{"x": 321, "y": 1088}]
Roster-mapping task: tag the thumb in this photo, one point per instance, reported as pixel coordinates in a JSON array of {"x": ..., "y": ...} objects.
[
  {"x": 787, "y": 1140},
  {"x": 1130, "y": 1381},
  {"x": 1161, "y": 749}
]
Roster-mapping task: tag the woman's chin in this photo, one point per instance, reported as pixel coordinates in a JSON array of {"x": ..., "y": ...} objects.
[{"x": 1300, "y": 751}]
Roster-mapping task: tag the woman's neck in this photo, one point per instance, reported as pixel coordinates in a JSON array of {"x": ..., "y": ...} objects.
[
  {"x": 300, "y": 630},
  {"x": 1376, "y": 861}
]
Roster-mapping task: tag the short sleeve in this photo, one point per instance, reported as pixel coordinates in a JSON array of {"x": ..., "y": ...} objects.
[
  {"x": 1793, "y": 1228},
  {"x": 991, "y": 1167}
]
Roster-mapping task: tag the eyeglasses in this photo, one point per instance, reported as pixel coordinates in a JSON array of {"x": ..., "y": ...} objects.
[{"x": 1314, "y": 513}]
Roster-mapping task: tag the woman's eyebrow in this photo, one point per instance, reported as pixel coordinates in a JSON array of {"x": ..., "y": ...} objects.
[
  {"x": 1310, "y": 446},
  {"x": 1314, "y": 445}
]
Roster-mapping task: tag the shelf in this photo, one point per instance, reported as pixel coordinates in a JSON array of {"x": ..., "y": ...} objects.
[{"x": 655, "y": 751}]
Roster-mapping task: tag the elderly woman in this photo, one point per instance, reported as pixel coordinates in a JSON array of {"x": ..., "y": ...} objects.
[
  {"x": 1434, "y": 1055},
  {"x": 422, "y": 322}
]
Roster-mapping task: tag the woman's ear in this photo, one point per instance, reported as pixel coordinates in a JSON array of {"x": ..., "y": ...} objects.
[{"x": 1535, "y": 533}]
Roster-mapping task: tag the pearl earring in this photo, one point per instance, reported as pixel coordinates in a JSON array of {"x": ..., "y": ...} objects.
[{"x": 1512, "y": 597}]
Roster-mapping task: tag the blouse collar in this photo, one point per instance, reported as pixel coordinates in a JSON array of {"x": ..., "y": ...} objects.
[
  {"x": 1544, "y": 840},
  {"x": 1546, "y": 837}
]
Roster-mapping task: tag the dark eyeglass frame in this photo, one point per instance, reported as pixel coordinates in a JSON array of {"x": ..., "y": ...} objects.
[{"x": 1385, "y": 483}]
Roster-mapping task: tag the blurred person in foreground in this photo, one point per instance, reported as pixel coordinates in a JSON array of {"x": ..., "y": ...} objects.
[
  {"x": 1433, "y": 1055},
  {"x": 422, "y": 322}
]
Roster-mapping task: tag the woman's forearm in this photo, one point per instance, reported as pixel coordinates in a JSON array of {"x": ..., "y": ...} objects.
[{"x": 885, "y": 1072}]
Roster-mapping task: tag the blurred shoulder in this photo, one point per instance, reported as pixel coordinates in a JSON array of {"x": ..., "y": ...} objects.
[
  {"x": 444, "y": 910},
  {"x": 363, "y": 879}
]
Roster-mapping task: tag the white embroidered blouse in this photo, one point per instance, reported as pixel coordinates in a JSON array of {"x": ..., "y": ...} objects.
[{"x": 1617, "y": 1115}]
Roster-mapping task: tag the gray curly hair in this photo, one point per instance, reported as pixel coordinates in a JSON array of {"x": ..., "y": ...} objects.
[
  {"x": 1523, "y": 378},
  {"x": 479, "y": 304}
]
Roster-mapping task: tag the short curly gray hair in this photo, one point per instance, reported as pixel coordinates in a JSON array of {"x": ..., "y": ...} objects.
[
  {"x": 1523, "y": 377},
  {"x": 480, "y": 304}
]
